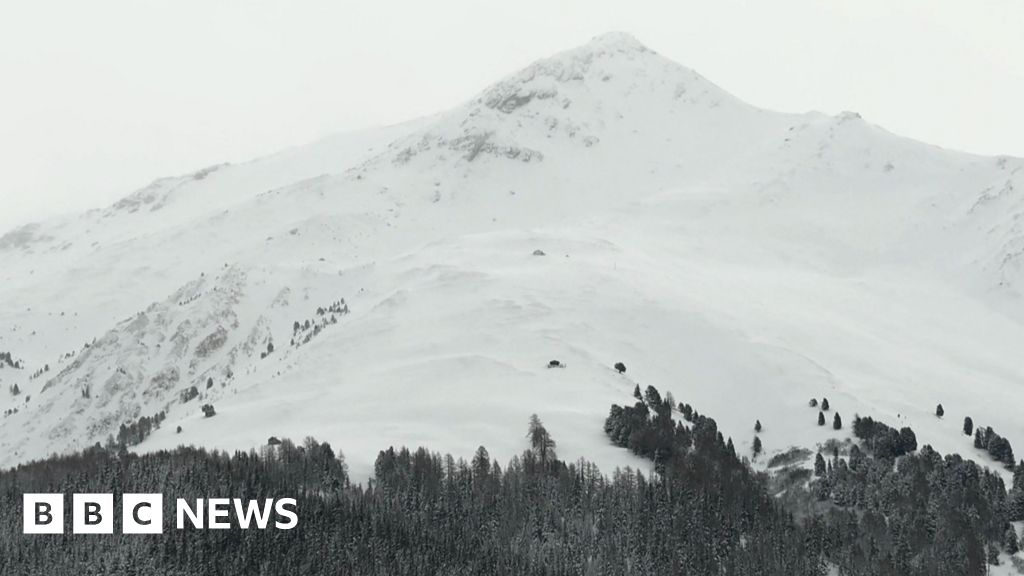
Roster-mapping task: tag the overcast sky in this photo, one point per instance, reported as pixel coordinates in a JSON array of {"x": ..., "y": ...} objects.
[{"x": 99, "y": 98}]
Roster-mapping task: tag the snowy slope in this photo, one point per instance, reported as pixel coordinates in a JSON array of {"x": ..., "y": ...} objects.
[{"x": 744, "y": 260}]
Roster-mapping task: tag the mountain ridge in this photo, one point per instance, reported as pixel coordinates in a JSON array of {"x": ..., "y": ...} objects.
[{"x": 720, "y": 250}]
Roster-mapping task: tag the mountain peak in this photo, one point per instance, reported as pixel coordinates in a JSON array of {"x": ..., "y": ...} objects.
[
  {"x": 617, "y": 40},
  {"x": 611, "y": 91}
]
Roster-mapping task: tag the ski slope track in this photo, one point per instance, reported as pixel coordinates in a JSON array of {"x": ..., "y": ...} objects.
[{"x": 742, "y": 259}]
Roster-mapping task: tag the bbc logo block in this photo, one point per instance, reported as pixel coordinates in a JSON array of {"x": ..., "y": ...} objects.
[
  {"x": 93, "y": 513},
  {"x": 144, "y": 513},
  {"x": 44, "y": 513}
]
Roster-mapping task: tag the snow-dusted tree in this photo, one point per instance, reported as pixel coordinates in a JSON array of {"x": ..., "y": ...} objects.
[
  {"x": 481, "y": 462},
  {"x": 652, "y": 397},
  {"x": 819, "y": 465},
  {"x": 540, "y": 441}
]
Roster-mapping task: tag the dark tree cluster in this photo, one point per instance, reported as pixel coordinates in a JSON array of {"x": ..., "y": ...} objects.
[
  {"x": 704, "y": 511},
  {"x": 927, "y": 515},
  {"x": 40, "y": 372},
  {"x": 647, "y": 427},
  {"x": 883, "y": 441},
  {"x": 8, "y": 361},
  {"x": 997, "y": 446},
  {"x": 424, "y": 513},
  {"x": 303, "y": 332},
  {"x": 188, "y": 394},
  {"x": 135, "y": 432},
  {"x": 1017, "y": 494}
]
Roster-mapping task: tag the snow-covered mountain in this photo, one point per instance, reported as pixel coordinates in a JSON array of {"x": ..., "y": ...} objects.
[{"x": 382, "y": 288}]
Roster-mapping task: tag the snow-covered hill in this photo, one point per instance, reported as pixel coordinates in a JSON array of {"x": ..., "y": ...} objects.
[{"x": 744, "y": 260}]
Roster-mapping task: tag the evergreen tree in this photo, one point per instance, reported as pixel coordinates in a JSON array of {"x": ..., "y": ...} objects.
[
  {"x": 1010, "y": 541},
  {"x": 540, "y": 441},
  {"x": 636, "y": 393},
  {"x": 968, "y": 426},
  {"x": 824, "y": 404},
  {"x": 939, "y": 411},
  {"x": 821, "y": 418},
  {"x": 819, "y": 465},
  {"x": 687, "y": 411},
  {"x": 652, "y": 397},
  {"x": 907, "y": 440},
  {"x": 837, "y": 422},
  {"x": 757, "y": 445},
  {"x": 481, "y": 462},
  {"x": 813, "y": 403},
  {"x": 757, "y": 426}
]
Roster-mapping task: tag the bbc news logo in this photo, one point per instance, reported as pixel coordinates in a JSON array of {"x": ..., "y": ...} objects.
[{"x": 144, "y": 513}]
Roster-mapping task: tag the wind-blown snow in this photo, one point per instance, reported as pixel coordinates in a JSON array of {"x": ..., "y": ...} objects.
[{"x": 744, "y": 260}]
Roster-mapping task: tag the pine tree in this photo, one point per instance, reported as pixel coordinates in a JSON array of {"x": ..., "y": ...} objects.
[
  {"x": 821, "y": 418},
  {"x": 757, "y": 426},
  {"x": 837, "y": 422},
  {"x": 819, "y": 465},
  {"x": 908, "y": 440},
  {"x": 1010, "y": 541},
  {"x": 757, "y": 445},
  {"x": 813, "y": 403},
  {"x": 540, "y": 441},
  {"x": 824, "y": 404},
  {"x": 652, "y": 397},
  {"x": 1015, "y": 505},
  {"x": 481, "y": 462},
  {"x": 637, "y": 394},
  {"x": 687, "y": 411},
  {"x": 939, "y": 411},
  {"x": 968, "y": 426}
]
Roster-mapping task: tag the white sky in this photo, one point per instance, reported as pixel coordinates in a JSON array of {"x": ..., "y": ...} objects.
[{"x": 98, "y": 98}]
